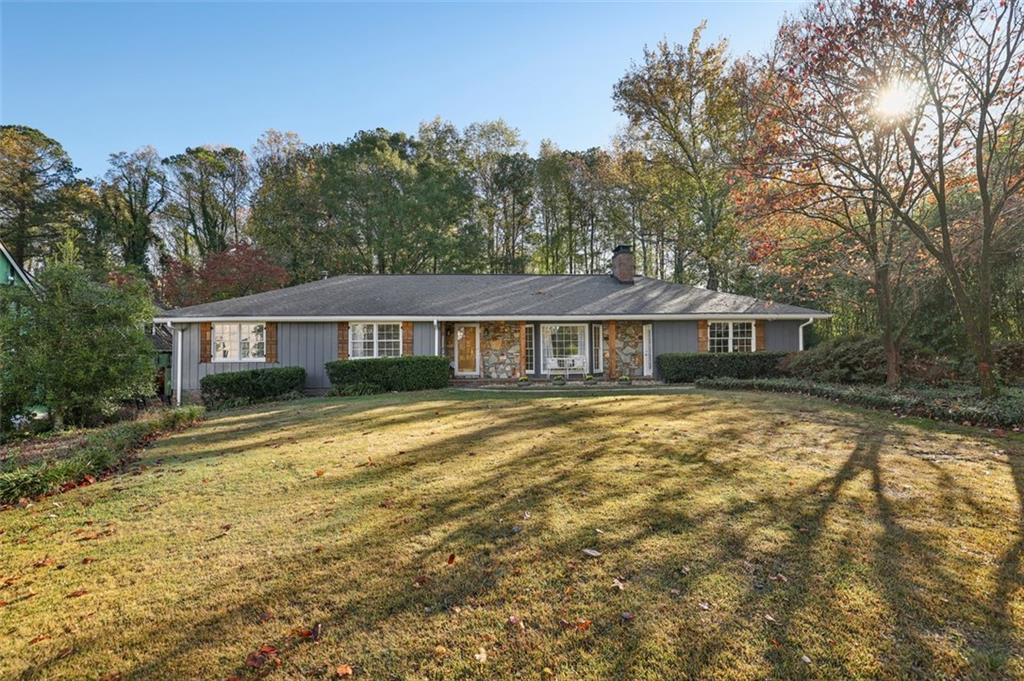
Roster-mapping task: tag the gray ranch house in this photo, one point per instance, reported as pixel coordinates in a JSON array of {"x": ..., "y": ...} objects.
[{"x": 490, "y": 326}]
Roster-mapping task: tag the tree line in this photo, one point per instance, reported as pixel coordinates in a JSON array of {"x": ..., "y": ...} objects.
[{"x": 870, "y": 163}]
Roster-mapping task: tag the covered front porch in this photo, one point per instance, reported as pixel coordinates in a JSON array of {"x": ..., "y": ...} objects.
[{"x": 506, "y": 350}]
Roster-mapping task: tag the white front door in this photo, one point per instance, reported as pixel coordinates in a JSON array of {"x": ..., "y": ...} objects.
[{"x": 467, "y": 349}]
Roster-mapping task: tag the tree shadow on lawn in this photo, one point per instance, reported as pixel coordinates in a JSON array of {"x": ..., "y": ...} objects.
[{"x": 732, "y": 550}]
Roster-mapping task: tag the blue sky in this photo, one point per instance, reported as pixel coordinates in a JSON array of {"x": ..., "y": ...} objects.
[{"x": 102, "y": 78}]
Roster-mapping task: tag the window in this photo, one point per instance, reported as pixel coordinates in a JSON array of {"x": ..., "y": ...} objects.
[
  {"x": 731, "y": 337},
  {"x": 239, "y": 342},
  {"x": 530, "y": 356},
  {"x": 648, "y": 341},
  {"x": 374, "y": 340},
  {"x": 596, "y": 348},
  {"x": 564, "y": 347}
]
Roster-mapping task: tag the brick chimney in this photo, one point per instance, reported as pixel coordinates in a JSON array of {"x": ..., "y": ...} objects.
[{"x": 622, "y": 264}]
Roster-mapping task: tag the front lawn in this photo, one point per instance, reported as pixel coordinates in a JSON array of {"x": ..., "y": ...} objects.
[{"x": 441, "y": 535}]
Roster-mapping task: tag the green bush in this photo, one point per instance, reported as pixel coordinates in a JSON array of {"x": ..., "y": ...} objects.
[
  {"x": 351, "y": 389},
  {"x": 239, "y": 388},
  {"x": 1009, "y": 361},
  {"x": 686, "y": 367},
  {"x": 861, "y": 359},
  {"x": 102, "y": 451},
  {"x": 423, "y": 372},
  {"x": 959, "y": 405}
]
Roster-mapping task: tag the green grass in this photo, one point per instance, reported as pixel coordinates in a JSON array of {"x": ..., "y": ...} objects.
[{"x": 750, "y": 531}]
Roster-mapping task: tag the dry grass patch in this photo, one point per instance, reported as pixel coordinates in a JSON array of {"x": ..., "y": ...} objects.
[{"x": 741, "y": 536}]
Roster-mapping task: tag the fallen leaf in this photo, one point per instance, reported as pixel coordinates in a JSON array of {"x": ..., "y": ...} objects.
[
  {"x": 77, "y": 593},
  {"x": 547, "y": 671},
  {"x": 805, "y": 659},
  {"x": 112, "y": 676},
  {"x": 704, "y": 605},
  {"x": 516, "y": 623},
  {"x": 583, "y": 625},
  {"x": 37, "y": 639},
  {"x": 343, "y": 671},
  {"x": 481, "y": 657},
  {"x": 302, "y": 632},
  {"x": 87, "y": 560},
  {"x": 674, "y": 592},
  {"x": 255, "y": 660},
  {"x": 451, "y": 558},
  {"x": 593, "y": 553},
  {"x": 770, "y": 618},
  {"x": 440, "y": 651},
  {"x": 43, "y": 562},
  {"x": 618, "y": 584},
  {"x": 319, "y": 472},
  {"x": 627, "y": 617},
  {"x": 268, "y": 650}
]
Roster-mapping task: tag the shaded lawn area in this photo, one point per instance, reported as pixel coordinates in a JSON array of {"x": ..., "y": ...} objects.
[{"x": 754, "y": 536}]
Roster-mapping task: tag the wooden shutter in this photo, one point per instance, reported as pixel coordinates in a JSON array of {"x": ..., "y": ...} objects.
[
  {"x": 522, "y": 349},
  {"x": 702, "y": 335},
  {"x": 759, "y": 342},
  {"x": 271, "y": 329},
  {"x": 205, "y": 342},
  {"x": 406, "y": 339},
  {"x": 342, "y": 340}
]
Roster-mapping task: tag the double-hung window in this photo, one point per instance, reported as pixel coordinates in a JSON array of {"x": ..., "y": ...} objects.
[
  {"x": 239, "y": 342},
  {"x": 374, "y": 340},
  {"x": 530, "y": 358},
  {"x": 731, "y": 337},
  {"x": 564, "y": 347},
  {"x": 596, "y": 348}
]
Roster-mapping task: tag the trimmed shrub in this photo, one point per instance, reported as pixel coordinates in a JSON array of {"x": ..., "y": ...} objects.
[
  {"x": 686, "y": 367},
  {"x": 425, "y": 372},
  {"x": 238, "y": 388},
  {"x": 351, "y": 389},
  {"x": 959, "y": 405},
  {"x": 102, "y": 451}
]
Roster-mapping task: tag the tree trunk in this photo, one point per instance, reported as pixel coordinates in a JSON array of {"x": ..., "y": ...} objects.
[
  {"x": 887, "y": 320},
  {"x": 58, "y": 420},
  {"x": 712, "y": 276}
]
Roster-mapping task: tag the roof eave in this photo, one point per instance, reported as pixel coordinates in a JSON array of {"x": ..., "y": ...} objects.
[{"x": 812, "y": 315}]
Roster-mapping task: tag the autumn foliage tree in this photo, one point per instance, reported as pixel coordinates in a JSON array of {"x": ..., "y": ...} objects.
[{"x": 242, "y": 270}]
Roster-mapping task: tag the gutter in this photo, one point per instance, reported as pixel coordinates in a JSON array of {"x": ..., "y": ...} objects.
[
  {"x": 492, "y": 318},
  {"x": 807, "y": 323}
]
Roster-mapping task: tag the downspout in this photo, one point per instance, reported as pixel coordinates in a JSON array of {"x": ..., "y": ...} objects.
[
  {"x": 437, "y": 338},
  {"x": 177, "y": 368},
  {"x": 807, "y": 323}
]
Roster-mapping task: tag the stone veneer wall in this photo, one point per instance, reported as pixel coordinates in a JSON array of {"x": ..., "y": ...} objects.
[
  {"x": 629, "y": 348},
  {"x": 499, "y": 349}
]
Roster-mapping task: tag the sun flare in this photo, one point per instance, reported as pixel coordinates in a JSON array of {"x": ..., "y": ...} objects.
[{"x": 897, "y": 99}]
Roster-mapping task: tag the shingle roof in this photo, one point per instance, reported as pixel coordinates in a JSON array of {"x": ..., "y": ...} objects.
[{"x": 517, "y": 296}]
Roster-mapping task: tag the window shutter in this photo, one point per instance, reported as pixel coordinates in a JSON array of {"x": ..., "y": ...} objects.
[
  {"x": 271, "y": 330},
  {"x": 407, "y": 339},
  {"x": 342, "y": 340},
  {"x": 613, "y": 354},
  {"x": 759, "y": 325},
  {"x": 702, "y": 335},
  {"x": 205, "y": 342}
]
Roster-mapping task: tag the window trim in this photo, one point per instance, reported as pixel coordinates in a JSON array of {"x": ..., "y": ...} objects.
[
  {"x": 376, "y": 339},
  {"x": 732, "y": 335},
  {"x": 584, "y": 351},
  {"x": 598, "y": 367},
  {"x": 647, "y": 349},
  {"x": 531, "y": 337},
  {"x": 216, "y": 359}
]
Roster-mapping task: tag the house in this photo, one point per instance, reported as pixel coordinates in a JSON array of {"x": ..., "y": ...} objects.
[
  {"x": 494, "y": 326},
  {"x": 11, "y": 273}
]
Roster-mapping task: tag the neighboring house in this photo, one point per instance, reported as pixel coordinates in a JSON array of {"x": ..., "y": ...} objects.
[
  {"x": 490, "y": 326},
  {"x": 10, "y": 273}
]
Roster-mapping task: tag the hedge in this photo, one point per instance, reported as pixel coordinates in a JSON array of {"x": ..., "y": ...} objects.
[
  {"x": 102, "y": 451},
  {"x": 237, "y": 388},
  {"x": 959, "y": 405},
  {"x": 423, "y": 372},
  {"x": 686, "y": 367}
]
